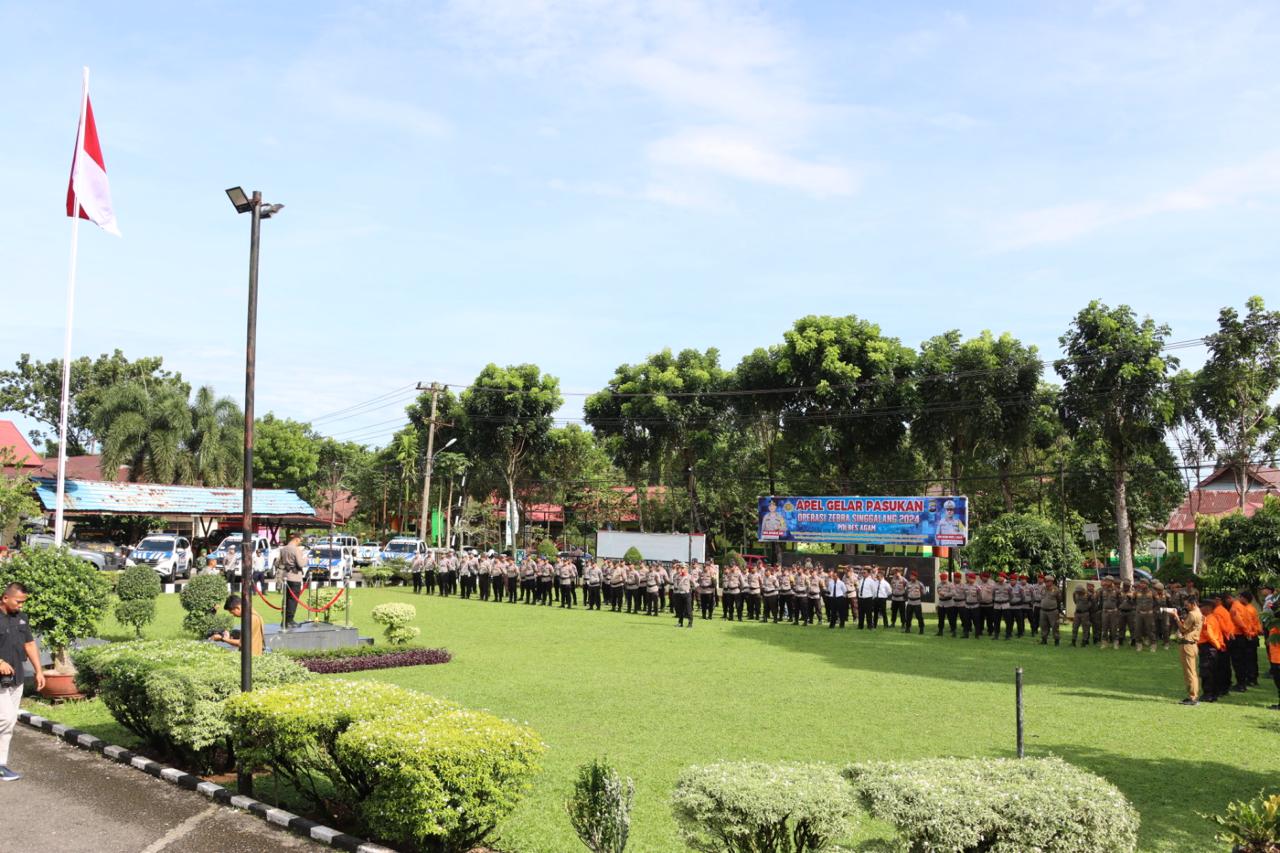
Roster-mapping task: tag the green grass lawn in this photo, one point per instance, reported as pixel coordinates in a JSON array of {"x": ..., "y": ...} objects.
[{"x": 655, "y": 699}]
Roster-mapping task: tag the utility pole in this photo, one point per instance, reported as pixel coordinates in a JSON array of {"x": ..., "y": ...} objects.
[{"x": 425, "y": 522}]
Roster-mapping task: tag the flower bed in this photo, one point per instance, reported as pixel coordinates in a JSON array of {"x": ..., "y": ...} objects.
[{"x": 360, "y": 658}]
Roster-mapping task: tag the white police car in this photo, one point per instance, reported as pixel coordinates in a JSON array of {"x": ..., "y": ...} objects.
[
  {"x": 330, "y": 562},
  {"x": 403, "y": 548},
  {"x": 168, "y": 554}
]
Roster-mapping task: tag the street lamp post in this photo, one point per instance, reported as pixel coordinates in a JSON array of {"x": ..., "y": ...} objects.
[{"x": 252, "y": 205}]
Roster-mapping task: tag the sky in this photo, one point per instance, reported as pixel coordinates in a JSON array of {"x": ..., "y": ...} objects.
[{"x": 580, "y": 183}]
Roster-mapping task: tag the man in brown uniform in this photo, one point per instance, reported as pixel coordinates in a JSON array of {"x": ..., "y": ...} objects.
[
  {"x": 1049, "y": 610},
  {"x": 1188, "y": 637},
  {"x": 293, "y": 564}
]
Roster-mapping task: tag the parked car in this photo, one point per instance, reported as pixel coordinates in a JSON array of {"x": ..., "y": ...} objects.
[
  {"x": 368, "y": 554},
  {"x": 167, "y": 553},
  {"x": 330, "y": 562},
  {"x": 403, "y": 548},
  {"x": 99, "y": 560},
  {"x": 264, "y": 555}
]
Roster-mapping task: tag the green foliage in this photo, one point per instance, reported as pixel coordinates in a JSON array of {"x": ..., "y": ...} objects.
[
  {"x": 137, "y": 588},
  {"x": 506, "y": 417},
  {"x": 547, "y": 548},
  {"x": 286, "y": 454},
  {"x": 751, "y": 807},
  {"x": 145, "y": 425},
  {"x": 1173, "y": 571},
  {"x": 1018, "y": 542},
  {"x": 201, "y": 598},
  {"x": 17, "y": 499},
  {"x": 395, "y": 618},
  {"x": 215, "y": 446},
  {"x": 633, "y": 557},
  {"x": 171, "y": 692},
  {"x": 966, "y": 805},
  {"x": 294, "y": 730},
  {"x": 1241, "y": 551},
  {"x": 1252, "y": 827},
  {"x": 377, "y": 574},
  {"x": 397, "y": 566},
  {"x": 600, "y": 807},
  {"x": 437, "y": 781},
  {"x": 733, "y": 558},
  {"x": 67, "y": 595}
]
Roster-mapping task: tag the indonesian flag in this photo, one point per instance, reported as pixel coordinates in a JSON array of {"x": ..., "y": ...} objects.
[{"x": 89, "y": 194}]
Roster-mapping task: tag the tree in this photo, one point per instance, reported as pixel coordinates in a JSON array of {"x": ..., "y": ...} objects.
[
  {"x": 1023, "y": 543},
  {"x": 1241, "y": 551},
  {"x": 34, "y": 388},
  {"x": 853, "y": 395},
  {"x": 137, "y": 589},
  {"x": 979, "y": 398},
  {"x": 146, "y": 426},
  {"x": 1116, "y": 384},
  {"x": 667, "y": 408},
  {"x": 759, "y": 404},
  {"x": 286, "y": 453},
  {"x": 1235, "y": 388},
  {"x": 507, "y": 415},
  {"x": 17, "y": 499},
  {"x": 216, "y": 445}
]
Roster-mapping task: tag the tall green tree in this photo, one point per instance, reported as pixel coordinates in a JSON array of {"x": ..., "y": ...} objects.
[
  {"x": 759, "y": 404},
  {"x": 286, "y": 453},
  {"x": 1116, "y": 379},
  {"x": 507, "y": 416},
  {"x": 1236, "y": 387},
  {"x": 670, "y": 405},
  {"x": 215, "y": 447},
  {"x": 145, "y": 425},
  {"x": 34, "y": 388},
  {"x": 854, "y": 395},
  {"x": 978, "y": 402}
]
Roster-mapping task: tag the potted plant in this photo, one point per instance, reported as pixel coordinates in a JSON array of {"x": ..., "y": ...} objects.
[{"x": 67, "y": 597}]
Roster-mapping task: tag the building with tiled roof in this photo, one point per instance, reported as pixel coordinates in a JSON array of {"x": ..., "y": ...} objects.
[{"x": 1216, "y": 495}]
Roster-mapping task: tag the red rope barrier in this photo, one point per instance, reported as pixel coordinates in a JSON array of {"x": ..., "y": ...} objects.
[
  {"x": 264, "y": 598},
  {"x": 332, "y": 601}
]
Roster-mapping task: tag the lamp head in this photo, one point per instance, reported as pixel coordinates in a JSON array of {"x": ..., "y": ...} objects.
[{"x": 239, "y": 200}]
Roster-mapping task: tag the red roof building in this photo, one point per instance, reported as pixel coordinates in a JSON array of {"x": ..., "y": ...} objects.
[
  {"x": 12, "y": 441},
  {"x": 1217, "y": 494}
]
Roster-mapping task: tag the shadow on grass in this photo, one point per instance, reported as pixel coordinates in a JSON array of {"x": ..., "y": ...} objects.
[
  {"x": 977, "y": 660},
  {"x": 1172, "y": 791}
]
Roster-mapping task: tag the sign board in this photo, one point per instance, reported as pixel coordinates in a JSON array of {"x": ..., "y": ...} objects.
[
  {"x": 941, "y": 521},
  {"x": 1091, "y": 532},
  {"x": 1157, "y": 548}
]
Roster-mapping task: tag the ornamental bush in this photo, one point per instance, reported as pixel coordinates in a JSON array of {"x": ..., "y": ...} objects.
[
  {"x": 547, "y": 548},
  {"x": 68, "y": 595},
  {"x": 395, "y": 618},
  {"x": 377, "y": 574},
  {"x": 137, "y": 588},
  {"x": 1018, "y": 542},
  {"x": 294, "y": 729},
  {"x": 600, "y": 808},
  {"x": 966, "y": 805},
  {"x": 201, "y": 597},
  {"x": 632, "y": 557},
  {"x": 171, "y": 692},
  {"x": 751, "y": 807},
  {"x": 437, "y": 782}
]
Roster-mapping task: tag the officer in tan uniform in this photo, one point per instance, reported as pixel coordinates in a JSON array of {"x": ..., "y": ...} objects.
[{"x": 1049, "y": 610}]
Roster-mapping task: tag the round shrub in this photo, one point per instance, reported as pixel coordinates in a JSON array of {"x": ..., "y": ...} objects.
[
  {"x": 733, "y": 558},
  {"x": 752, "y": 807},
  {"x": 962, "y": 805},
  {"x": 201, "y": 598},
  {"x": 632, "y": 556},
  {"x": 137, "y": 589},
  {"x": 600, "y": 808},
  {"x": 438, "y": 781},
  {"x": 548, "y": 549},
  {"x": 68, "y": 596},
  {"x": 377, "y": 574},
  {"x": 395, "y": 618},
  {"x": 1022, "y": 542}
]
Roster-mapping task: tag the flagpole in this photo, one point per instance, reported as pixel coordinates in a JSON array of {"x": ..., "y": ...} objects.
[{"x": 66, "y": 342}]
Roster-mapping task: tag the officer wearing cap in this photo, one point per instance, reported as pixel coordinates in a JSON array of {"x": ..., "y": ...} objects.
[{"x": 1049, "y": 610}]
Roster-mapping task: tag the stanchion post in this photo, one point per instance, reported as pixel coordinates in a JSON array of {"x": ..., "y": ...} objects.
[{"x": 1017, "y": 677}]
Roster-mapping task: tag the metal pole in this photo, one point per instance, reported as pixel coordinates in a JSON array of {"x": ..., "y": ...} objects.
[
  {"x": 1017, "y": 678},
  {"x": 425, "y": 525},
  {"x": 244, "y": 781}
]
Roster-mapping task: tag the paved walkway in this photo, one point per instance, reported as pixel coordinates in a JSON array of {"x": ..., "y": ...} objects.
[{"x": 73, "y": 801}]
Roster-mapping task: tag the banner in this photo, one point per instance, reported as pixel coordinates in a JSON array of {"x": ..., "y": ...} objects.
[{"x": 932, "y": 521}]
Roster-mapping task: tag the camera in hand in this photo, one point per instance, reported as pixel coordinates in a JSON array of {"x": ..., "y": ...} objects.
[{"x": 9, "y": 680}]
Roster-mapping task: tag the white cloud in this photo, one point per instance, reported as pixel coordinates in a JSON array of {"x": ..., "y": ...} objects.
[
  {"x": 1218, "y": 188},
  {"x": 736, "y": 155}
]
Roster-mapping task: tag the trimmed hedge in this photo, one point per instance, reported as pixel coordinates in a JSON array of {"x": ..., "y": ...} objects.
[
  {"x": 751, "y": 807},
  {"x": 137, "y": 588},
  {"x": 412, "y": 768},
  {"x": 385, "y": 658},
  {"x": 171, "y": 692},
  {"x": 395, "y": 618},
  {"x": 200, "y": 598},
  {"x": 965, "y": 805}
]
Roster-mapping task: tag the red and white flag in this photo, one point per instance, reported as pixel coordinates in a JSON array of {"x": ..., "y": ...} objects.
[{"x": 89, "y": 194}]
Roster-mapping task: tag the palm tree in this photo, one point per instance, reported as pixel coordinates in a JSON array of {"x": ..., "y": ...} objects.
[
  {"x": 216, "y": 442},
  {"x": 145, "y": 425}
]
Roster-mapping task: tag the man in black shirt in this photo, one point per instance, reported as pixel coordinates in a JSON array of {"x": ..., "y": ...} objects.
[{"x": 16, "y": 643}]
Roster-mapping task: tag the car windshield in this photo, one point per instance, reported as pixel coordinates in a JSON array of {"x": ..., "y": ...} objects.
[
  {"x": 326, "y": 553},
  {"x": 403, "y": 547},
  {"x": 155, "y": 545},
  {"x": 229, "y": 542}
]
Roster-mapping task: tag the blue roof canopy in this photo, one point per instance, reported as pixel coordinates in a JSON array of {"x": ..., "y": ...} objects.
[{"x": 92, "y": 496}]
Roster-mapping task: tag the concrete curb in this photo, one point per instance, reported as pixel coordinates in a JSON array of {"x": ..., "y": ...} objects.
[{"x": 272, "y": 815}]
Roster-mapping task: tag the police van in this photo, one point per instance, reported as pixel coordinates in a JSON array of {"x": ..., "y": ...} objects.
[
  {"x": 403, "y": 548},
  {"x": 167, "y": 553}
]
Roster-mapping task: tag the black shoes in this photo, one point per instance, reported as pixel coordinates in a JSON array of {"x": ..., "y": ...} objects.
[{"x": 1189, "y": 701}]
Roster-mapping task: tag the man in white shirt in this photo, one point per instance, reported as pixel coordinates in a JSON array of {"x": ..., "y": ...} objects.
[
  {"x": 868, "y": 586},
  {"x": 837, "y": 601},
  {"x": 882, "y": 600}
]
